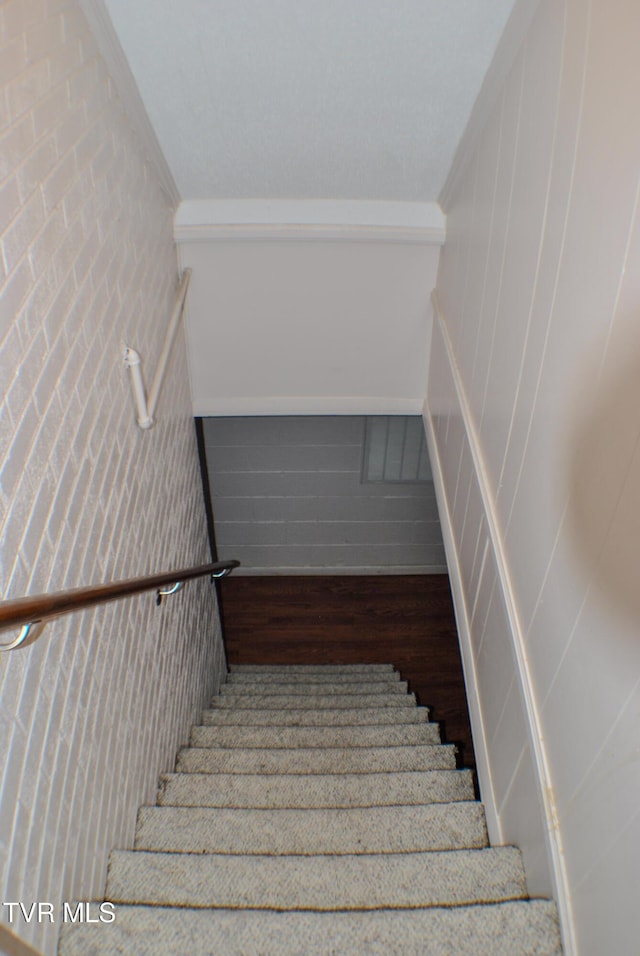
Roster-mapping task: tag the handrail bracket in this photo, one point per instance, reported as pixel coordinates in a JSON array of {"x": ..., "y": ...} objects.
[
  {"x": 165, "y": 592},
  {"x": 28, "y": 634}
]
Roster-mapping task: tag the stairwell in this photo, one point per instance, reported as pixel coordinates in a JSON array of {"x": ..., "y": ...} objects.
[{"x": 316, "y": 812}]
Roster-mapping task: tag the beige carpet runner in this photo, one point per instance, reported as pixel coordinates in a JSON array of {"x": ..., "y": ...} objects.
[{"x": 316, "y": 812}]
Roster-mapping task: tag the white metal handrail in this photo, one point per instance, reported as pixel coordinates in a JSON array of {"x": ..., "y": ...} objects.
[{"x": 146, "y": 404}]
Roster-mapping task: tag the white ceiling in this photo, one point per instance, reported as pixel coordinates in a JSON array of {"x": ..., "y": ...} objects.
[{"x": 309, "y": 99}]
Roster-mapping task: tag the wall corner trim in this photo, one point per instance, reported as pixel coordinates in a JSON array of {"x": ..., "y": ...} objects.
[
  {"x": 117, "y": 64},
  {"x": 534, "y": 726},
  {"x": 311, "y": 220}
]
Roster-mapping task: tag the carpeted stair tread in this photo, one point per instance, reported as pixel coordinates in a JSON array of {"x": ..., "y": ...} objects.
[
  {"x": 376, "y": 736},
  {"x": 317, "y": 882},
  {"x": 499, "y": 929},
  {"x": 438, "y": 826},
  {"x": 313, "y": 701},
  {"x": 313, "y": 688},
  {"x": 316, "y": 759},
  {"x": 315, "y": 790},
  {"x": 311, "y": 668},
  {"x": 316, "y": 812},
  {"x": 310, "y": 717},
  {"x": 354, "y": 677}
]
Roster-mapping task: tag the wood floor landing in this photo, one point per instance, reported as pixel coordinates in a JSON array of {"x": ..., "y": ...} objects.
[{"x": 407, "y": 620}]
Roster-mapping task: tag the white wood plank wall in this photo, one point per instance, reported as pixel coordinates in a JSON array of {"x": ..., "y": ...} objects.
[
  {"x": 533, "y": 400},
  {"x": 287, "y": 496}
]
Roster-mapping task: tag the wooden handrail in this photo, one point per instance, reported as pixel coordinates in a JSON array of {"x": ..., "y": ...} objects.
[{"x": 40, "y": 608}]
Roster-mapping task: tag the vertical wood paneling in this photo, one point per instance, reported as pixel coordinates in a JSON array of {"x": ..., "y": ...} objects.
[
  {"x": 499, "y": 275},
  {"x": 536, "y": 130},
  {"x": 474, "y": 306},
  {"x": 552, "y": 401},
  {"x": 497, "y": 253}
]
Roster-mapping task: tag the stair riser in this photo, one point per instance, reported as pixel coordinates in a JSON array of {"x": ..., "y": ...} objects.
[
  {"x": 242, "y": 679},
  {"x": 315, "y": 790},
  {"x": 504, "y": 929},
  {"x": 316, "y": 883},
  {"x": 309, "y": 688},
  {"x": 308, "y": 717},
  {"x": 265, "y": 737},
  {"x": 335, "y": 760},
  {"x": 311, "y": 668},
  {"x": 374, "y": 830},
  {"x": 313, "y": 701}
]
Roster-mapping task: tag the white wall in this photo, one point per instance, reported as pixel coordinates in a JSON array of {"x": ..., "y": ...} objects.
[
  {"x": 91, "y": 713},
  {"x": 533, "y": 408},
  {"x": 331, "y": 99},
  {"x": 288, "y": 498},
  {"x": 318, "y": 318}
]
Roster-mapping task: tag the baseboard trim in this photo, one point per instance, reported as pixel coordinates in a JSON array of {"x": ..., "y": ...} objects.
[
  {"x": 536, "y": 739},
  {"x": 365, "y": 570}
]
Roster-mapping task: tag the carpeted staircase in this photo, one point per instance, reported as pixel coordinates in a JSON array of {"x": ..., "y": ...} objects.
[{"x": 316, "y": 812}]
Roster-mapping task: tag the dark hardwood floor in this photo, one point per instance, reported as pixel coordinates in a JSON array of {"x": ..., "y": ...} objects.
[{"x": 406, "y": 620}]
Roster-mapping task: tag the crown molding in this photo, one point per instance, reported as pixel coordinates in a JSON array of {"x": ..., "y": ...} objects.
[
  {"x": 100, "y": 24},
  {"x": 309, "y": 220}
]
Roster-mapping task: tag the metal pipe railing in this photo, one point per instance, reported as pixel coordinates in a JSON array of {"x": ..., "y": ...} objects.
[
  {"x": 146, "y": 404},
  {"x": 33, "y": 613}
]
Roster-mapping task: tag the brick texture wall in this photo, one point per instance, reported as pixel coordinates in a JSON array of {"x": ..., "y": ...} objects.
[{"x": 93, "y": 712}]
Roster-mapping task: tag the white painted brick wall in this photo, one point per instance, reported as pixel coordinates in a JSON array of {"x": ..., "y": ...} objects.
[{"x": 92, "y": 713}]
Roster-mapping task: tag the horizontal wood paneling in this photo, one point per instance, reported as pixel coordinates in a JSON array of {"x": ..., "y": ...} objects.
[
  {"x": 288, "y": 494},
  {"x": 406, "y": 620}
]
